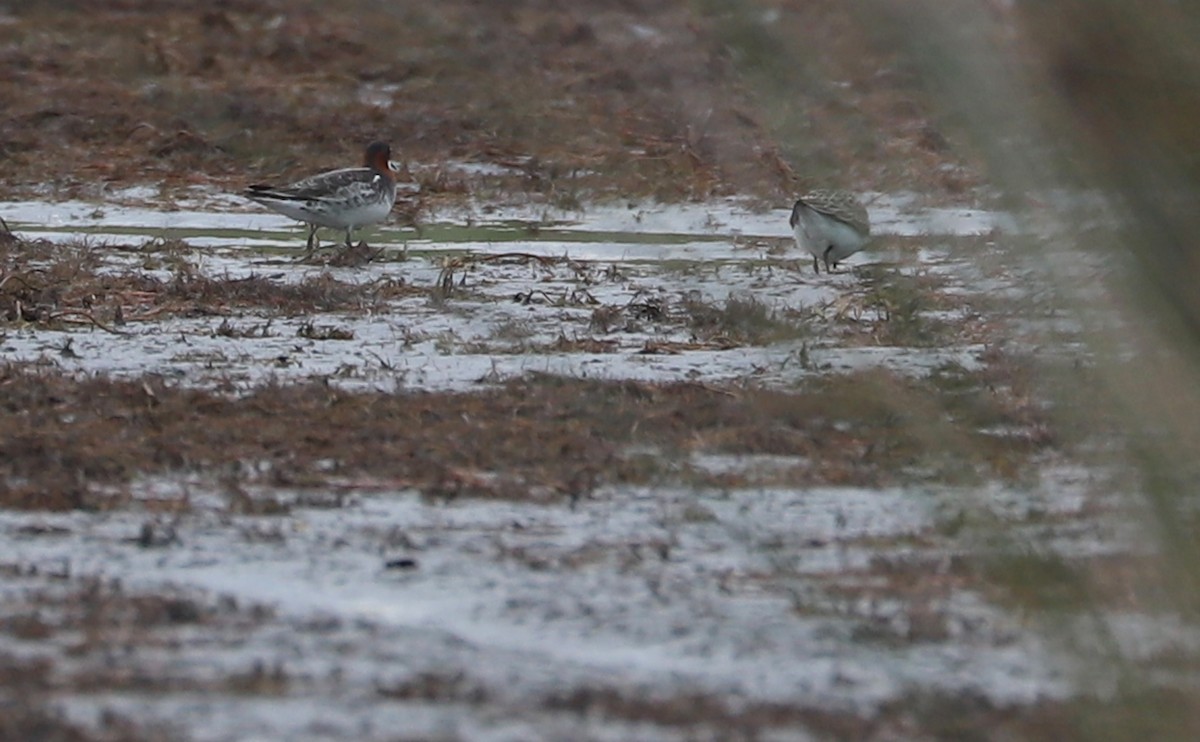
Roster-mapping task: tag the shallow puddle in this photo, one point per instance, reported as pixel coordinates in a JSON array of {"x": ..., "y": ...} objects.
[{"x": 225, "y": 217}]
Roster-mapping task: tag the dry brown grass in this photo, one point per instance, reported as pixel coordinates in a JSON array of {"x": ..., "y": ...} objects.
[
  {"x": 709, "y": 713},
  {"x": 91, "y": 618},
  {"x": 536, "y": 438},
  {"x": 51, "y": 285},
  {"x": 592, "y": 98},
  {"x": 917, "y": 716},
  {"x": 25, "y": 718}
]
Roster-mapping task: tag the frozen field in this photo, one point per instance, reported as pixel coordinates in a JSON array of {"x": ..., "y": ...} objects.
[{"x": 727, "y": 596}]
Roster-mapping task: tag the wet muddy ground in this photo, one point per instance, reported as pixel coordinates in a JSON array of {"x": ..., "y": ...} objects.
[
  {"x": 542, "y": 462},
  {"x": 623, "y": 472}
]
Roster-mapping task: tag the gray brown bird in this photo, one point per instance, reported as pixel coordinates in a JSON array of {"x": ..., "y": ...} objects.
[{"x": 831, "y": 225}]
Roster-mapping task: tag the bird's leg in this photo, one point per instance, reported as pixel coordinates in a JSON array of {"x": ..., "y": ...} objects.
[
  {"x": 827, "y": 251},
  {"x": 816, "y": 266},
  {"x": 312, "y": 234},
  {"x": 348, "y": 231}
]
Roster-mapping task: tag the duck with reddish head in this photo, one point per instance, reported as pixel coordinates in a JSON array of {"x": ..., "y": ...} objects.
[{"x": 339, "y": 199}]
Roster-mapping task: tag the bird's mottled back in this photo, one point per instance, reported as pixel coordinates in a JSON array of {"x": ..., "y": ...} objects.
[
  {"x": 841, "y": 205},
  {"x": 336, "y": 183}
]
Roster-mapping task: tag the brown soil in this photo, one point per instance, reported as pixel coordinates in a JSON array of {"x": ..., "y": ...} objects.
[{"x": 591, "y": 99}]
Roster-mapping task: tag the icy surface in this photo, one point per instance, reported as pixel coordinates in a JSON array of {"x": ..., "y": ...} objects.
[{"x": 629, "y": 591}]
